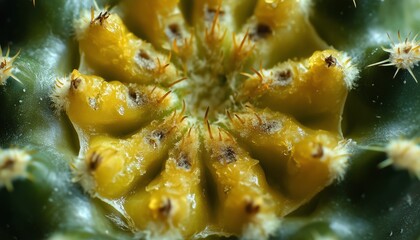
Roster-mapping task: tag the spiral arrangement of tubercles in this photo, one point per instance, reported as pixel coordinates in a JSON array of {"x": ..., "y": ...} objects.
[{"x": 206, "y": 129}]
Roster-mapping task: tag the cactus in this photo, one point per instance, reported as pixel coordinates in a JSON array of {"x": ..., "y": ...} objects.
[{"x": 171, "y": 119}]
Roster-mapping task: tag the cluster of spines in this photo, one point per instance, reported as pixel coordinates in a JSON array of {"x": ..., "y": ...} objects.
[
  {"x": 14, "y": 164},
  {"x": 401, "y": 153},
  {"x": 6, "y": 66},
  {"x": 404, "y": 54}
]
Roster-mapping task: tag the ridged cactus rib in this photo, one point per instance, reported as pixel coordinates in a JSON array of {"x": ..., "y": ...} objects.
[
  {"x": 98, "y": 106},
  {"x": 269, "y": 141},
  {"x": 276, "y": 25},
  {"x": 174, "y": 203},
  {"x": 111, "y": 167},
  {"x": 245, "y": 202},
  {"x": 324, "y": 79},
  {"x": 299, "y": 161},
  {"x": 163, "y": 24},
  {"x": 112, "y": 51}
]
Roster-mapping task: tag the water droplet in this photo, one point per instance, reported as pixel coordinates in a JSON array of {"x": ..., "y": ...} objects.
[
  {"x": 121, "y": 110},
  {"x": 93, "y": 103}
]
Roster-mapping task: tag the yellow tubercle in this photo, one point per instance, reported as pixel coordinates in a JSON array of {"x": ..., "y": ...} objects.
[
  {"x": 175, "y": 199},
  {"x": 115, "y": 53},
  {"x": 245, "y": 202},
  {"x": 313, "y": 90},
  {"x": 318, "y": 159},
  {"x": 112, "y": 167},
  {"x": 279, "y": 29},
  {"x": 161, "y": 22},
  {"x": 298, "y": 160},
  {"x": 98, "y": 106},
  {"x": 276, "y": 14}
]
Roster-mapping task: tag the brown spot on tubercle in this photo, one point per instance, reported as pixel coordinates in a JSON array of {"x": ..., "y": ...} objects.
[
  {"x": 3, "y": 64},
  {"x": 331, "y": 61},
  {"x": 252, "y": 208},
  {"x": 75, "y": 83},
  {"x": 165, "y": 208},
  {"x": 94, "y": 161},
  {"x": 319, "y": 151}
]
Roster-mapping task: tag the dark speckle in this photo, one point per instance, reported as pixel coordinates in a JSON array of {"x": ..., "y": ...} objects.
[
  {"x": 144, "y": 55},
  {"x": 159, "y": 135},
  {"x": 135, "y": 96},
  {"x": 331, "y": 61},
  {"x": 155, "y": 138},
  {"x": 283, "y": 77},
  {"x": 75, "y": 83},
  {"x": 174, "y": 30},
  {"x": 228, "y": 155},
  {"x": 94, "y": 161},
  {"x": 165, "y": 208},
  {"x": 261, "y": 31},
  {"x": 270, "y": 126},
  {"x": 407, "y": 49},
  {"x": 252, "y": 208},
  {"x": 318, "y": 152},
  {"x": 211, "y": 13},
  {"x": 8, "y": 164},
  {"x": 183, "y": 162},
  {"x": 3, "y": 64}
]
